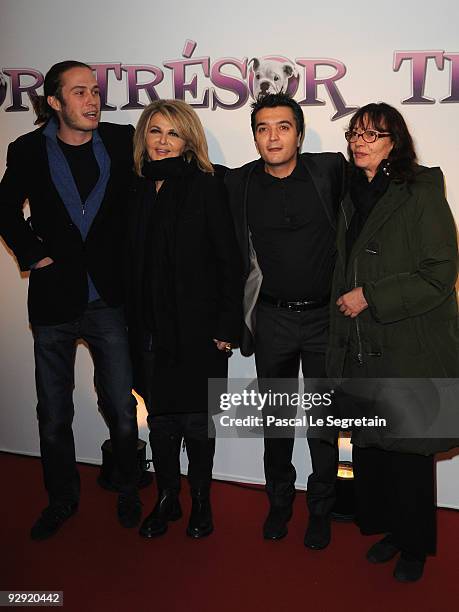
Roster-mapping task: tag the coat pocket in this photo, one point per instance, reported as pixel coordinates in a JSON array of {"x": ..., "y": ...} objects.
[{"x": 45, "y": 294}]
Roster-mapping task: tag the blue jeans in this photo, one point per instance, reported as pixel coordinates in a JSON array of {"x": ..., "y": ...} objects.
[{"x": 104, "y": 330}]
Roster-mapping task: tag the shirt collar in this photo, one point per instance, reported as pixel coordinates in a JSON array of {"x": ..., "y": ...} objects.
[
  {"x": 299, "y": 173},
  {"x": 52, "y": 127}
]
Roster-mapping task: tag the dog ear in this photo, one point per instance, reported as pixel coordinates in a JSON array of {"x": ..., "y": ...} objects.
[
  {"x": 289, "y": 69},
  {"x": 256, "y": 63}
]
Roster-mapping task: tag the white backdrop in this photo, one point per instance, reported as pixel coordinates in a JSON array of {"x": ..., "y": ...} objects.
[{"x": 365, "y": 41}]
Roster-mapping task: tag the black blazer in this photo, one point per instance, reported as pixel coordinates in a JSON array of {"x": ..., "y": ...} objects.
[
  {"x": 59, "y": 292},
  {"x": 328, "y": 172}
]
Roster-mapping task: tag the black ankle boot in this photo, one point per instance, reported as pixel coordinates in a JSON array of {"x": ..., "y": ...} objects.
[
  {"x": 200, "y": 524},
  {"x": 275, "y": 525},
  {"x": 383, "y": 551},
  {"x": 409, "y": 568},
  {"x": 167, "y": 509}
]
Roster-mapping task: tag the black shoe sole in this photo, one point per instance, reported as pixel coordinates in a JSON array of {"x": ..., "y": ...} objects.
[
  {"x": 313, "y": 546},
  {"x": 275, "y": 536},
  {"x": 152, "y": 534},
  {"x": 196, "y": 535},
  {"x": 383, "y": 558},
  {"x": 407, "y": 578},
  {"x": 146, "y": 533}
]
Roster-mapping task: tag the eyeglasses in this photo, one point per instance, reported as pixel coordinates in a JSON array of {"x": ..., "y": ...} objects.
[{"x": 367, "y": 136}]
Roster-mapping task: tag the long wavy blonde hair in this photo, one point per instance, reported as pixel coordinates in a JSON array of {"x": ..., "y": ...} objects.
[{"x": 188, "y": 126}]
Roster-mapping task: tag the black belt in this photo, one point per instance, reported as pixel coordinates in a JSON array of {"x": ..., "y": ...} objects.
[{"x": 297, "y": 305}]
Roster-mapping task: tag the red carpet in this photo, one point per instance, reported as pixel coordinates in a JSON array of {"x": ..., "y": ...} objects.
[{"x": 101, "y": 566}]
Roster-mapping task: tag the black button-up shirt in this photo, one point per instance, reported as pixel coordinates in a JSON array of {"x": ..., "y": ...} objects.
[{"x": 291, "y": 234}]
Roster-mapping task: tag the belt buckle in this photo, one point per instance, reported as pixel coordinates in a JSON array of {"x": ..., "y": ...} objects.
[{"x": 297, "y": 306}]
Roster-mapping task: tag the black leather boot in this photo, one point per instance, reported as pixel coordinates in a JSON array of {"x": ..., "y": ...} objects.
[
  {"x": 318, "y": 532},
  {"x": 281, "y": 496},
  {"x": 166, "y": 509},
  {"x": 200, "y": 524},
  {"x": 409, "y": 567},
  {"x": 165, "y": 451},
  {"x": 201, "y": 456},
  {"x": 275, "y": 525}
]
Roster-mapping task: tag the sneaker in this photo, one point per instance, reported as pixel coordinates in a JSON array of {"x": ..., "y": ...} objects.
[
  {"x": 129, "y": 509},
  {"x": 51, "y": 520}
]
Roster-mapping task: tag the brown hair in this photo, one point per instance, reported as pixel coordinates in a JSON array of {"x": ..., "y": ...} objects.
[
  {"x": 52, "y": 87},
  {"x": 188, "y": 125},
  {"x": 386, "y": 118}
]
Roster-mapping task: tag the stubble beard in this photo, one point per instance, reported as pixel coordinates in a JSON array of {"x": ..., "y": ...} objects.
[{"x": 73, "y": 124}]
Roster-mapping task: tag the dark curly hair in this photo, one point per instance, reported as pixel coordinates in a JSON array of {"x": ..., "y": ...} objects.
[
  {"x": 386, "y": 118},
  {"x": 274, "y": 100}
]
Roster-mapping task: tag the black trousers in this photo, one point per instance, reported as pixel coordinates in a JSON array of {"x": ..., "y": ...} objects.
[
  {"x": 169, "y": 430},
  {"x": 283, "y": 340},
  {"x": 166, "y": 435},
  {"x": 104, "y": 329},
  {"x": 395, "y": 494}
]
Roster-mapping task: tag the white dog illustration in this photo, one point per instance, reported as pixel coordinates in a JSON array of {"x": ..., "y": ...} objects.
[
  {"x": 2, "y": 88},
  {"x": 271, "y": 76}
]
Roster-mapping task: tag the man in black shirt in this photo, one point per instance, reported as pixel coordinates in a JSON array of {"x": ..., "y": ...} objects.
[
  {"x": 74, "y": 172},
  {"x": 285, "y": 206}
]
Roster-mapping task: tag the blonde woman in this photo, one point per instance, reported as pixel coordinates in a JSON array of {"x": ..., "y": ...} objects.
[{"x": 184, "y": 302}]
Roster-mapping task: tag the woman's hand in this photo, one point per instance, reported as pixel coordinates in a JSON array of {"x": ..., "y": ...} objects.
[
  {"x": 352, "y": 303},
  {"x": 222, "y": 345}
]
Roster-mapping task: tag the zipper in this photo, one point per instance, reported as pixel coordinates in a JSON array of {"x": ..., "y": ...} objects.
[
  {"x": 357, "y": 323},
  {"x": 343, "y": 259},
  {"x": 150, "y": 343},
  {"x": 344, "y": 215}
]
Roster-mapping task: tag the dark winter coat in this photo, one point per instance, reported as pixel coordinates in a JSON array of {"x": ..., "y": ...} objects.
[
  {"x": 208, "y": 296},
  {"x": 405, "y": 258}
]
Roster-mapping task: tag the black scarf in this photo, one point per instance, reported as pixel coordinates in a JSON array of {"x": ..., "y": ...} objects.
[
  {"x": 159, "y": 293},
  {"x": 364, "y": 195}
]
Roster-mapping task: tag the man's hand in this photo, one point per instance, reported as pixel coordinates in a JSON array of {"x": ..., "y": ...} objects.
[
  {"x": 46, "y": 261},
  {"x": 351, "y": 304}
]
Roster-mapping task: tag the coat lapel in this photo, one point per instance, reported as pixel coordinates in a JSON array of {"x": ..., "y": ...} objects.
[
  {"x": 109, "y": 195},
  {"x": 344, "y": 220},
  {"x": 104, "y": 206},
  {"x": 237, "y": 182},
  {"x": 41, "y": 168},
  {"x": 323, "y": 188},
  {"x": 396, "y": 195}
]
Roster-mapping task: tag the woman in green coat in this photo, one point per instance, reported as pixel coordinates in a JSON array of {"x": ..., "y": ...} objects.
[{"x": 394, "y": 315}]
